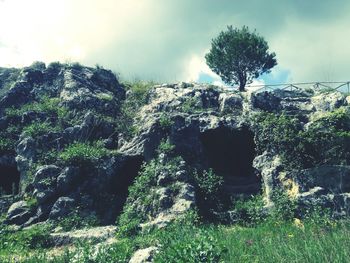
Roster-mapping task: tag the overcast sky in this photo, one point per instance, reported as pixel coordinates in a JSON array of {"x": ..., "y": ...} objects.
[{"x": 166, "y": 40}]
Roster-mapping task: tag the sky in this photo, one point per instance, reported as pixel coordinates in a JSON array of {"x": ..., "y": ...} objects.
[{"x": 166, "y": 40}]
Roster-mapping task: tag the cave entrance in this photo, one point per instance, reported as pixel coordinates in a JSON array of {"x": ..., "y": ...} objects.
[
  {"x": 230, "y": 154},
  {"x": 118, "y": 188},
  {"x": 9, "y": 180}
]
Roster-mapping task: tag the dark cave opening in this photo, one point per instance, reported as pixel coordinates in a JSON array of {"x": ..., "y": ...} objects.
[
  {"x": 230, "y": 154},
  {"x": 9, "y": 179},
  {"x": 127, "y": 174},
  {"x": 118, "y": 188}
]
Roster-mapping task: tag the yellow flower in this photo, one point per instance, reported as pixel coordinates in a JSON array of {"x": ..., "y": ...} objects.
[
  {"x": 298, "y": 223},
  {"x": 290, "y": 235}
]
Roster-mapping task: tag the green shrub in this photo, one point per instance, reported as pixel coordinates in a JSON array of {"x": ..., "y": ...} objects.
[
  {"x": 285, "y": 208},
  {"x": 191, "y": 105},
  {"x": 137, "y": 97},
  {"x": 44, "y": 105},
  {"x": 54, "y": 66},
  {"x": 75, "y": 220},
  {"x": 209, "y": 194},
  {"x": 209, "y": 182},
  {"x": 38, "y": 129},
  {"x": 32, "y": 202},
  {"x": 184, "y": 242},
  {"x": 9, "y": 77},
  {"x": 139, "y": 91},
  {"x": 249, "y": 212},
  {"x": 128, "y": 224},
  {"x": 165, "y": 121},
  {"x": 6, "y": 144},
  {"x": 166, "y": 146},
  {"x": 74, "y": 65},
  {"x": 326, "y": 141},
  {"x": 80, "y": 153}
]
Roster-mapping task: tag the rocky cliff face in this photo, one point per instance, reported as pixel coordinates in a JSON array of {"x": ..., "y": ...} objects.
[{"x": 74, "y": 140}]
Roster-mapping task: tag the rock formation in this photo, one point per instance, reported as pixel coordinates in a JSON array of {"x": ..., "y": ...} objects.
[{"x": 68, "y": 144}]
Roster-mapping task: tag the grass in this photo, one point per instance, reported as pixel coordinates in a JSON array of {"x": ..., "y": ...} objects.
[
  {"x": 285, "y": 242},
  {"x": 37, "y": 129},
  {"x": 271, "y": 241},
  {"x": 83, "y": 153},
  {"x": 45, "y": 105}
]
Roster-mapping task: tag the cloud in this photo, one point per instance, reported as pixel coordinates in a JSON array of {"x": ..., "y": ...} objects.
[{"x": 166, "y": 40}]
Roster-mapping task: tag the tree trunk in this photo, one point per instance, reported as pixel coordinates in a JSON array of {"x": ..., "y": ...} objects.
[{"x": 242, "y": 83}]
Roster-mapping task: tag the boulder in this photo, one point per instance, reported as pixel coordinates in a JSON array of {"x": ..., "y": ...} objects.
[
  {"x": 62, "y": 207},
  {"x": 18, "y": 213},
  {"x": 45, "y": 183},
  {"x": 46, "y": 172},
  {"x": 67, "y": 178}
]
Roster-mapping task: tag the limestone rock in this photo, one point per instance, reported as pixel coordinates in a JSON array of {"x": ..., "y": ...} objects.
[
  {"x": 328, "y": 101},
  {"x": 144, "y": 255},
  {"x": 45, "y": 182},
  {"x": 230, "y": 102},
  {"x": 67, "y": 178},
  {"x": 18, "y": 213},
  {"x": 62, "y": 207},
  {"x": 95, "y": 234}
]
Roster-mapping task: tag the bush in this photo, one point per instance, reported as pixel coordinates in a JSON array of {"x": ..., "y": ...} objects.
[
  {"x": 80, "y": 153},
  {"x": 209, "y": 194},
  {"x": 75, "y": 220},
  {"x": 191, "y": 105},
  {"x": 137, "y": 97},
  {"x": 326, "y": 141},
  {"x": 141, "y": 203},
  {"x": 6, "y": 144},
  {"x": 184, "y": 242},
  {"x": 38, "y": 129},
  {"x": 166, "y": 146},
  {"x": 285, "y": 208},
  {"x": 249, "y": 212},
  {"x": 44, "y": 105},
  {"x": 165, "y": 121}
]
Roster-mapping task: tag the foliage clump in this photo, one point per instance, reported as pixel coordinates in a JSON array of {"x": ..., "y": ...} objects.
[
  {"x": 326, "y": 140},
  {"x": 80, "y": 153},
  {"x": 137, "y": 96},
  {"x": 238, "y": 56}
]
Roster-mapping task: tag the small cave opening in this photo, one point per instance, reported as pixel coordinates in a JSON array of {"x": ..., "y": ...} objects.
[
  {"x": 230, "y": 153},
  {"x": 118, "y": 188},
  {"x": 9, "y": 180}
]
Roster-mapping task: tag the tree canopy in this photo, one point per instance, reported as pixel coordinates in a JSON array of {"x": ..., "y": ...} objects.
[{"x": 238, "y": 56}]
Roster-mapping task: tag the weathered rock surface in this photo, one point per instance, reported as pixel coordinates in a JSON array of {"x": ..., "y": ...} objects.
[
  {"x": 18, "y": 213},
  {"x": 144, "y": 255},
  {"x": 94, "y": 235}
]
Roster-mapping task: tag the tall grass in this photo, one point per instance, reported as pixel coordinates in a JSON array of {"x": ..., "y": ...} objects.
[{"x": 271, "y": 241}]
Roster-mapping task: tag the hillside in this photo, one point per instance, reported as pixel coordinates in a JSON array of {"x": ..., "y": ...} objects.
[{"x": 79, "y": 148}]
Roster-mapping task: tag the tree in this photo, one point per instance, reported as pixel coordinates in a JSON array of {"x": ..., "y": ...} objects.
[{"x": 238, "y": 56}]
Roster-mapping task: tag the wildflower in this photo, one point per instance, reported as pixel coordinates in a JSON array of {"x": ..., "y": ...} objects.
[
  {"x": 290, "y": 235},
  {"x": 298, "y": 223}
]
